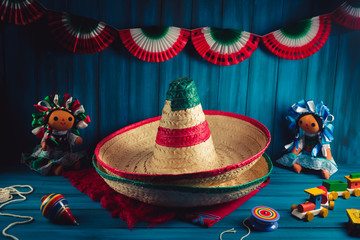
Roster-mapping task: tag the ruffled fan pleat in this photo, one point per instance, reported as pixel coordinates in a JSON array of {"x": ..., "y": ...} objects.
[
  {"x": 305, "y": 44},
  {"x": 20, "y": 12},
  {"x": 156, "y": 48},
  {"x": 231, "y": 48},
  {"x": 347, "y": 16},
  {"x": 79, "y": 34}
]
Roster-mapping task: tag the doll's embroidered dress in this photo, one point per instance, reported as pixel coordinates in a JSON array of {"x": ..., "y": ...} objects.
[{"x": 314, "y": 146}]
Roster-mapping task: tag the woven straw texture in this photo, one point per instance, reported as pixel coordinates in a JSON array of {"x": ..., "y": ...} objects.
[
  {"x": 235, "y": 142},
  {"x": 190, "y": 196}
]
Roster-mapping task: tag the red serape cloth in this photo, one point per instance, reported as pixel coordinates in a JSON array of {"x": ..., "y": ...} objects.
[{"x": 133, "y": 211}]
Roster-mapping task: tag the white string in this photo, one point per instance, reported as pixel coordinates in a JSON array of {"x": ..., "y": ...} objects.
[
  {"x": 7, "y": 197},
  {"x": 249, "y": 231},
  {"x": 232, "y": 230}
]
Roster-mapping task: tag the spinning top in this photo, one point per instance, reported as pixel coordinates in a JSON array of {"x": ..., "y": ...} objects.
[
  {"x": 55, "y": 207},
  {"x": 264, "y": 218}
]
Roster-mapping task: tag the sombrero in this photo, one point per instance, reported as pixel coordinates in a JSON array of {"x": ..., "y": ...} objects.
[{"x": 186, "y": 147}]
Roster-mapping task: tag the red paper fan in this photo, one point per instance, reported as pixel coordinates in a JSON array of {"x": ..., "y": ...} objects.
[
  {"x": 20, "y": 12},
  {"x": 224, "y": 46},
  {"x": 300, "y": 40},
  {"x": 79, "y": 34},
  {"x": 154, "y": 44},
  {"x": 348, "y": 15}
]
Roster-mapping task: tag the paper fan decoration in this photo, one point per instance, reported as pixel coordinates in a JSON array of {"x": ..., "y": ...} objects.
[
  {"x": 79, "y": 34},
  {"x": 348, "y": 15},
  {"x": 154, "y": 44},
  {"x": 300, "y": 40},
  {"x": 20, "y": 12},
  {"x": 224, "y": 46}
]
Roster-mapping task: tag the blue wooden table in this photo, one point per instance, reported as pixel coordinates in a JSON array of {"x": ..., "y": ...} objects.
[{"x": 285, "y": 188}]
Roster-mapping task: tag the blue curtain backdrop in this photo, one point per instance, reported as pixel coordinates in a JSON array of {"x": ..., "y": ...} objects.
[{"x": 117, "y": 89}]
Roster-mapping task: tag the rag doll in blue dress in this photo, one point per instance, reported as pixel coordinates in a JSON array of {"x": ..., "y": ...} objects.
[{"x": 311, "y": 146}]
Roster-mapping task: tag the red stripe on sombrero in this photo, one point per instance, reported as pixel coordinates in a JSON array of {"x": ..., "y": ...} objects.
[
  {"x": 183, "y": 137},
  {"x": 172, "y": 177}
]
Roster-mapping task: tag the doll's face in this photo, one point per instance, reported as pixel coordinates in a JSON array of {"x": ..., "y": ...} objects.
[
  {"x": 309, "y": 124},
  {"x": 61, "y": 120}
]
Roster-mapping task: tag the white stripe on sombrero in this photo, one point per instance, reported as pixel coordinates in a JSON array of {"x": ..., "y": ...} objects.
[
  {"x": 299, "y": 42},
  {"x": 225, "y": 49},
  {"x": 181, "y": 119},
  {"x": 158, "y": 45}
]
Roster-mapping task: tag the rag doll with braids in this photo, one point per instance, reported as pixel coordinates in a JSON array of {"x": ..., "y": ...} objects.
[
  {"x": 56, "y": 122},
  {"x": 311, "y": 146}
]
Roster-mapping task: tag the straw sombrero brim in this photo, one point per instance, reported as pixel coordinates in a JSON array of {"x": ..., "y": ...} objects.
[
  {"x": 238, "y": 142},
  {"x": 189, "y": 196}
]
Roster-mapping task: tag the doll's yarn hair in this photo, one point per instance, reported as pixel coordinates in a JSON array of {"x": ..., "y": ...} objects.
[
  {"x": 318, "y": 119},
  {"x": 49, "y": 104}
]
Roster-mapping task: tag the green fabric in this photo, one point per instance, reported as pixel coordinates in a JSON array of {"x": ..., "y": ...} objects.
[
  {"x": 38, "y": 114},
  {"x": 297, "y": 30},
  {"x": 183, "y": 94},
  {"x": 37, "y": 122},
  {"x": 76, "y": 132},
  {"x": 155, "y": 33},
  {"x": 81, "y": 116},
  {"x": 186, "y": 188},
  {"x": 37, "y": 163},
  {"x": 225, "y": 36},
  {"x": 50, "y": 101}
]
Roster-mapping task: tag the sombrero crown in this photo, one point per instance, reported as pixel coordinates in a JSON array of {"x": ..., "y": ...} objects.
[{"x": 183, "y": 141}]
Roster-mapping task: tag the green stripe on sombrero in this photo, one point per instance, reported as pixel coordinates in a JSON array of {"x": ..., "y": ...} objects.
[
  {"x": 187, "y": 188},
  {"x": 297, "y": 30},
  {"x": 154, "y": 32},
  {"x": 183, "y": 94},
  {"x": 225, "y": 36}
]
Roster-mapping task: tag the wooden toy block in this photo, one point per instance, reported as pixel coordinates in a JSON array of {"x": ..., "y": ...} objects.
[
  {"x": 355, "y": 175},
  {"x": 353, "y": 183},
  {"x": 354, "y": 215},
  {"x": 314, "y": 191},
  {"x": 349, "y": 178},
  {"x": 335, "y": 185},
  {"x": 353, "y": 225}
]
